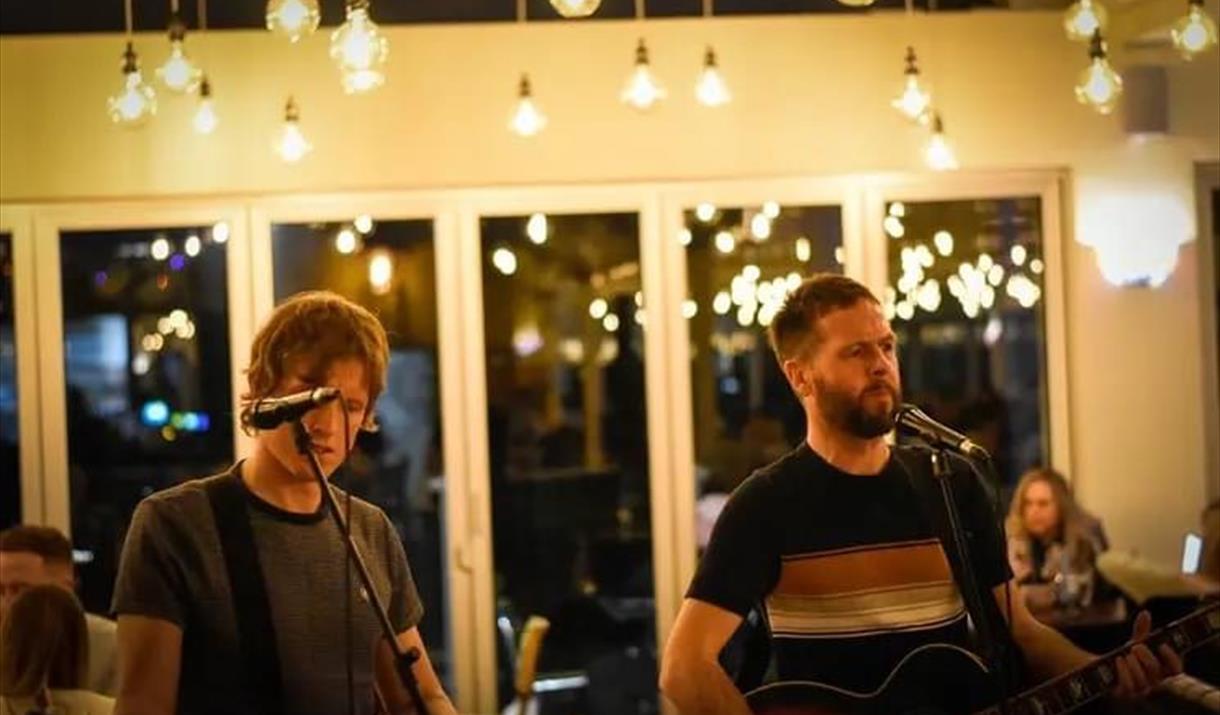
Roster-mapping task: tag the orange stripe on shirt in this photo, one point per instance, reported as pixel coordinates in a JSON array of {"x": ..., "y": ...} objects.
[{"x": 878, "y": 566}]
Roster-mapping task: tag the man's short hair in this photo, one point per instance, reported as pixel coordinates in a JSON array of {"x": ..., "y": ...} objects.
[
  {"x": 46, "y": 541},
  {"x": 318, "y": 327},
  {"x": 794, "y": 329}
]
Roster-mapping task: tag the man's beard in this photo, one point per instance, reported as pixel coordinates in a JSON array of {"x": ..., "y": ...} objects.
[{"x": 848, "y": 413}]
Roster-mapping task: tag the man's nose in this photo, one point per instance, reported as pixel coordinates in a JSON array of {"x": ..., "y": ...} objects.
[{"x": 323, "y": 420}]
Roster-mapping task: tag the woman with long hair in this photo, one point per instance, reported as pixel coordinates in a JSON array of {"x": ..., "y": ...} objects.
[
  {"x": 1049, "y": 535},
  {"x": 44, "y": 650}
]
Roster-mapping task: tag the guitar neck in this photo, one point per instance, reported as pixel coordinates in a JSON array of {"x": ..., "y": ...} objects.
[{"x": 1079, "y": 687}]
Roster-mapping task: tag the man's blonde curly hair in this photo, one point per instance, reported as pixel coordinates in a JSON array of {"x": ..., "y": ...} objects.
[{"x": 318, "y": 328}]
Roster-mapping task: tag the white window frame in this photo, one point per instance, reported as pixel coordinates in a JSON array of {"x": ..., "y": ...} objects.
[
  {"x": 553, "y": 200},
  {"x": 1049, "y": 186},
  {"x": 1207, "y": 179},
  {"x": 48, "y": 225},
  {"x": 18, "y": 222}
]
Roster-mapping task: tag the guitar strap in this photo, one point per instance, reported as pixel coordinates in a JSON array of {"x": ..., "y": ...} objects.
[
  {"x": 255, "y": 628},
  {"x": 917, "y": 466}
]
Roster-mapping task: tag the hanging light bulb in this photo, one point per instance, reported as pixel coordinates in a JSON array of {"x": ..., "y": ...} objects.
[
  {"x": 1084, "y": 18},
  {"x": 938, "y": 154},
  {"x": 136, "y": 101},
  {"x": 642, "y": 89},
  {"x": 575, "y": 8},
  {"x": 293, "y": 18},
  {"x": 526, "y": 120},
  {"x": 1099, "y": 85},
  {"x": 1195, "y": 32},
  {"x": 914, "y": 101},
  {"x": 179, "y": 73},
  {"x": 292, "y": 145},
  {"x": 205, "y": 115},
  {"x": 360, "y": 49},
  {"x": 710, "y": 88}
]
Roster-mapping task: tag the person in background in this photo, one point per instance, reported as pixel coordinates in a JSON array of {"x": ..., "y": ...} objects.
[
  {"x": 44, "y": 646},
  {"x": 1050, "y": 535},
  {"x": 38, "y": 555}
]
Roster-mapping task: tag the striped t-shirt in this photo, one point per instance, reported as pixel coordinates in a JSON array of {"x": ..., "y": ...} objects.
[{"x": 848, "y": 568}]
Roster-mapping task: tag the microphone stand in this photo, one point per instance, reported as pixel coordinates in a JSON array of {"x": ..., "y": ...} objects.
[
  {"x": 995, "y": 651},
  {"x": 403, "y": 660}
]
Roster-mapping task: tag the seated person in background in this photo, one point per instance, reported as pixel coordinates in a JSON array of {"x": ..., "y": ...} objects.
[
  {"x": 44, "y": 645},
  {"x": 1050, "y": 535},
  {"x": 37, "y": 555}
]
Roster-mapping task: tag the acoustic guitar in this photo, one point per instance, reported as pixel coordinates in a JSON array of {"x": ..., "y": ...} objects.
[{"x": 942, "y": 679}]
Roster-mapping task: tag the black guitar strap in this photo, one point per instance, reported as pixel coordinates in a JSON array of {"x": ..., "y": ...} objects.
[
  {"x": 1002, "y": 655},
  {"x": 255, "y": 628}
]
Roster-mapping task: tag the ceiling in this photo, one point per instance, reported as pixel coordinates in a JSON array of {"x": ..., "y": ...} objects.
[{"x": 81, "y": 16}]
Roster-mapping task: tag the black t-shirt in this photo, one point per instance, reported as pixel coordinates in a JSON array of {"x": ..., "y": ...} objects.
[{"x": 848, "y": 567}]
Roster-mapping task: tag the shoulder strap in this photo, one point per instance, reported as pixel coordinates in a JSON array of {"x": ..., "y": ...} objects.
[
  {"x": 255, "y": 628},
  {"x": 918, "y": 471}
]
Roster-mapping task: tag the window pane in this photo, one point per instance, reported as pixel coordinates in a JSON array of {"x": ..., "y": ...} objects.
[
  {"x": 563, "y": 315},
  {"x": 389, "y": 267},
  {"x": 965, "y": 298},
  {"x": 10, "y": 447},
  {"x": 741, "y": 263},
  {"x": 146, "y": 352}
]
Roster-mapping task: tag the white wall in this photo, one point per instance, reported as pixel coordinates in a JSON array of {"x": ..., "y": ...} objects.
[{"x": 811, "y": 98}]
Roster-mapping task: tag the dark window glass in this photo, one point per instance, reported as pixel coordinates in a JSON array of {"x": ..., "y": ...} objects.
[
  {"x": 965, "y": 298},
  {"x": 567, "y": 424},
  {"x": 741, "y": 263},
  {"x": 146, "y": 353},
  {"x": 10, "y": 444}
]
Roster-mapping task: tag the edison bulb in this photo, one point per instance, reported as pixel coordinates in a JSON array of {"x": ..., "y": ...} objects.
[
  {"x": 1084, "y": 18},
  {"x": 575, "y": 8},
  {"x": 179, "y": 73},
  {"x": 1099, "y": 85},
  {"x": 136, "y": 101},
  {"x": 1194, "y": 33},
  {"x": 711, "y": 89},
  {"x": 205, "y": 119},
  {"x": 527, "y": 120},
  {"x": 642, "y": 89},
  {"x": 914, "y": 101},
  {"x": 291, "y": 144},
  {"x": 360, "y": 50},
  {"x": 293, "y": 19},
  {"x": 938, "y": 153}
]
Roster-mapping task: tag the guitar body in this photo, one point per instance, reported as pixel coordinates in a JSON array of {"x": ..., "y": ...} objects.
[
  {"x": 936, "y": 679},
  {"x": 942, "y": 679}
]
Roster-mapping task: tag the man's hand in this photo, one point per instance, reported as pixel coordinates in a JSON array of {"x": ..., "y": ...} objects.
[{"x": 1139, "y": 671}]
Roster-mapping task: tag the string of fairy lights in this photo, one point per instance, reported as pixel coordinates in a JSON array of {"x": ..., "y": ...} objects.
[{"x": 360, "y": 51}]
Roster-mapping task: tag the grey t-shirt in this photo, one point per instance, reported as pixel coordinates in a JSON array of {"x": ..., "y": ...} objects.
[{"x": 173, "y": 569}]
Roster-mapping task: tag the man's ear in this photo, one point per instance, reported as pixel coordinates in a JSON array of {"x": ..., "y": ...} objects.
[{"x": 798, "y": 378}]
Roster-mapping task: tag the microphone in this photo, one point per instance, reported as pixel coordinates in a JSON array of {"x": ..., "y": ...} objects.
[
  {"x": 915, "y": 421},
  {"x": 271, "y": 412}
]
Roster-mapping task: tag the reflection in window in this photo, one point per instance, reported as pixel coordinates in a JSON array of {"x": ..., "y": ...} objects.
[
  {"x": 146, "y": 352},
  {"x": 965, "y": 297},
  {"x": 389, "y": 268},
  {"x": 10, "y": 455},
  {"x": 741, "y": 264},
  {"x": 564, "y": 321}
]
